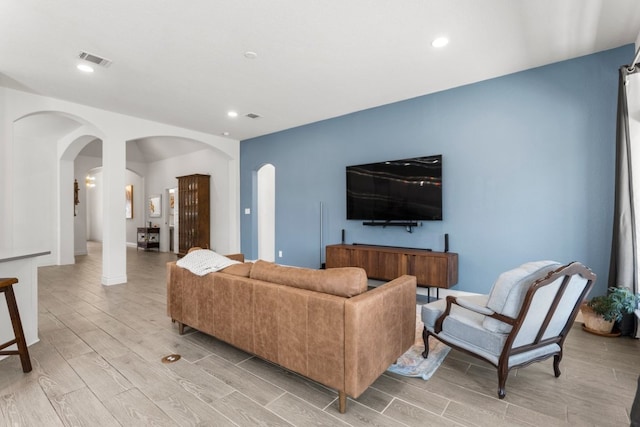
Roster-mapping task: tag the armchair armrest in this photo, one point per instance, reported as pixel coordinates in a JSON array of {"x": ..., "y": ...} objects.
[
  {"x": 438, "y": 326},
  {"x": 474, "y": 307},
  {"x": 461, "y": 302}
]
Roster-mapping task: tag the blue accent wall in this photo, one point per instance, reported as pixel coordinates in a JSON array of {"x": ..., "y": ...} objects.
[{"x": 528, "y": 171}]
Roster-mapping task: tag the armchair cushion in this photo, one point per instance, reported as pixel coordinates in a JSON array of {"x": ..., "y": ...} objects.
[
  {"x": 464, "y": 326},
  {"x": 469, "y": 330},
  {"x": 432, "y": 311},
  {"x": 509, "y": 290}
]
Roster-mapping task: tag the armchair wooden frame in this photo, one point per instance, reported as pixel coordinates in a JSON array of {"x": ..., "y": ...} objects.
[{"x": 568, "y": 271}]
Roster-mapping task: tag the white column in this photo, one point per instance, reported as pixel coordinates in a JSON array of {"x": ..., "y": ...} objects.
[
  {"x": 114, "y": 253},
  {"x": 266, "y": 213},
  {"x": 233, "y": 205}
]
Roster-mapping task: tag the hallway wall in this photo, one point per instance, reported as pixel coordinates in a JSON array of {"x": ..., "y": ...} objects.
[{"x": 33, "y": 196}]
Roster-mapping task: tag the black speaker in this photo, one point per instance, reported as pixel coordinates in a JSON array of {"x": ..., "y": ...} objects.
[
  {"x": 446, "y": 242},
  {"x": 343, "y": 236}
]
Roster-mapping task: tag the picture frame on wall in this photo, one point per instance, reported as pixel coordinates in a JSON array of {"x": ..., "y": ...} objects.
[
  {"x": 155, "y": 206},
  {"x": 128, "y": 204}
]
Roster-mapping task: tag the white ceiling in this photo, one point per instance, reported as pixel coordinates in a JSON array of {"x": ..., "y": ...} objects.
[{"x": 182, "y": 62}]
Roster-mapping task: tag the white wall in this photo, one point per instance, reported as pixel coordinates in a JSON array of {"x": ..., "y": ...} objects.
[
  {"x": 37, "y": 189},
  {"x": 88, "y": 222},
  {"x": 5, "y": 172},
  {"x": 138, "y": 183},
  {"x": 82, "y": 166},
  {"x": 162, "y": 175},
  {"x": 95, "y": 207}
]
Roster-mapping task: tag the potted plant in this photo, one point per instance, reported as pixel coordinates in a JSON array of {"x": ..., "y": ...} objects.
[{"x": 601, "y": 312}]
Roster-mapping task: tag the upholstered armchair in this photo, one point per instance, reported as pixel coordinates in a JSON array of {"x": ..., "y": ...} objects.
[{"x": 524, "y": 319}]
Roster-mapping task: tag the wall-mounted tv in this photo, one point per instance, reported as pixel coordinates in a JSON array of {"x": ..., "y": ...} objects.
[{"x": 396, "y": 190}]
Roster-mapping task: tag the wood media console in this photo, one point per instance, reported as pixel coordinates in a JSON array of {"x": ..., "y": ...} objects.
[{"x": 432, "y": 269}]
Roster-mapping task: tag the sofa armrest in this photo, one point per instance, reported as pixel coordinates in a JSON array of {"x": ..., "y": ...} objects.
[
  {"x": 380, "y": 325},
  {"x": 176, "y": 276},
  {"x": 174, "y": 292}
]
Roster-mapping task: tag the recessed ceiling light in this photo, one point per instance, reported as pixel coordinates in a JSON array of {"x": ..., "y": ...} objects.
[
  {"x": 250, "y": 55},
  {"x": 440, "y": 42},
  {"x": 232, "y": 114},
  {"x": 225, "y": 133},
  {"x": 85, "y": 68}
]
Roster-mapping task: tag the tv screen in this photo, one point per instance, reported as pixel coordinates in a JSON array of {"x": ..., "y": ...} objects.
[{"x": 396, "y": 190}]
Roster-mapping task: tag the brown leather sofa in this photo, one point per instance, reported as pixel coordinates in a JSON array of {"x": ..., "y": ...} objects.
[{"x": 323, "y": 324}]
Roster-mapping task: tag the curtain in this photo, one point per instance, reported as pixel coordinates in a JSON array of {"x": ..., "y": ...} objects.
[{"x": 623, "y": 266}]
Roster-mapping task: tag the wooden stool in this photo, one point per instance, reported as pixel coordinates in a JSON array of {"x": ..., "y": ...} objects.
[{"x": 6, "y": 287}]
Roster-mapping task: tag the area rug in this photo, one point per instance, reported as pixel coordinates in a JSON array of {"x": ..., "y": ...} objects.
[{"x": 412, "y": 364}]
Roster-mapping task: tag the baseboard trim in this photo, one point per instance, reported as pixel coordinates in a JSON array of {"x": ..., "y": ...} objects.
[{"x": 108, "y": 281}]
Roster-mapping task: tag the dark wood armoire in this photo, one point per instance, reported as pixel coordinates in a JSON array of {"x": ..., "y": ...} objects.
[{"x": 193, "y": 212}]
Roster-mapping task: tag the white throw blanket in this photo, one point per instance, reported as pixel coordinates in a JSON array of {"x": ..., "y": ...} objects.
[{"x": 204, "y": 261}]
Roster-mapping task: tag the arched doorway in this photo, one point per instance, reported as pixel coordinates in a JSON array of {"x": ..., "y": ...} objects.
[{"x": 45, "y": 146}]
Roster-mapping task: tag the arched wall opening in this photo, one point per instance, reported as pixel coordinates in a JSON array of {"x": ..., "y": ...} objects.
[
  {"x": 167, "y": 157},
  {"x": 89, "y": 221},
  {"x": 40, "y": 200},
  {"x": 45, "y": 144}
]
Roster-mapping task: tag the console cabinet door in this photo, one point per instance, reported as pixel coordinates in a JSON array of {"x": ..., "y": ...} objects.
[
  {"x": 381, "y": 265},
  {"x": 429, "y": 271},
  {"x": 338, "y": 257},
  {"x": 378, "y": 265},
  {"x": 387, "y": 265}
]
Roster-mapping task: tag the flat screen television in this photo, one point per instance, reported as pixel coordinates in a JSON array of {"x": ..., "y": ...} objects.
[{"x": 396, "y": 190}]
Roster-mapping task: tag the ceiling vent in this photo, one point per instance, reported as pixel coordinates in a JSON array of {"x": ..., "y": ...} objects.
[
  {"x": 253, "y": 115},
  {"x": 95, "y": 59}
]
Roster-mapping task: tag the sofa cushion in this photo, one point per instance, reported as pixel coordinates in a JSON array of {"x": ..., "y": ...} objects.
[
  {"x": 343, "y": 281},
  {"x": 204, "y": 261},
  {"x": 508, "y": 292},
  {"x": 242, "y": 269}
]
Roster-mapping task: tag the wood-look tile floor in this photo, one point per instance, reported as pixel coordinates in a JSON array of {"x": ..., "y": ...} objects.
[{"x": 98, "y": 363}]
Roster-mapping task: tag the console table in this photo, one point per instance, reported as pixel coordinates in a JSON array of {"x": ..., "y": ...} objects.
[
  {"x": 148, "y": 238},
  {"x": 432, "y": 269}
]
